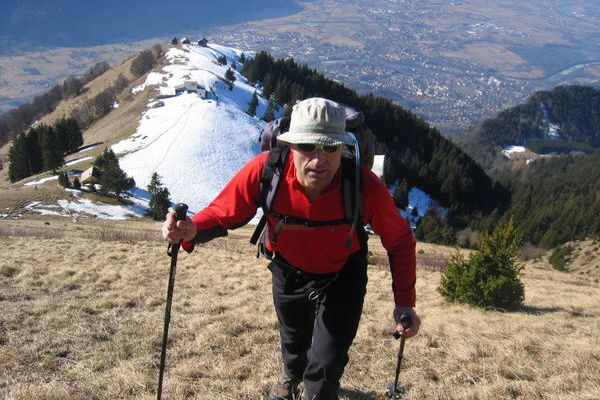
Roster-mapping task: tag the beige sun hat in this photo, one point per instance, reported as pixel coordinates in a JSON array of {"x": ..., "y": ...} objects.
[{"x": 319, "y": 121}]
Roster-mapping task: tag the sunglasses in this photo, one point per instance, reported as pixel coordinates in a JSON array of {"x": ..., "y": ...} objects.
[{"x": 311, "y": 147}]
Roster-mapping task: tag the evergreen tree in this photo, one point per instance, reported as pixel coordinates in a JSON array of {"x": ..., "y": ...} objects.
[
  {"x": 174, "y": 41},
  {"x": 76, "y": 184},
  {"x": 18, "y": 167},
  {"x": 69, "y": 134},
  {"x": 242, "y": 58},
  {"x": 63, "y": 179},
  {"x": 33, "y": 150},
  {"x": 269, "y": 112},
  {"x": 112, "y": 177},
  {"x": 159, "y": 198},
  {"x": 52, "y": 148},
  {"x": 230, "y": 77},
  {"x": 434, "y": 228},
  {"x": 268, "y": 85},
  {"x": 253, "y": 104},
  {"x": 222, "y": 60},
  {"x": 490, "y": 276}
]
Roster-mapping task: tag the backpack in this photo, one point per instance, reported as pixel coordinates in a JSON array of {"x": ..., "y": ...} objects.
[
  {"x": 269, "y": 184},
  {"x": 268, "y": 136}
]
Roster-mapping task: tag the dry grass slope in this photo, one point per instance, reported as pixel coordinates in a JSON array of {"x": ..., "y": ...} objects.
[{"x": 81, "y": 318}]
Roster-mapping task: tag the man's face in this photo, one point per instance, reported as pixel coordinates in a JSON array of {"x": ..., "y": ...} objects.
[{"x": 315, "y": 170}]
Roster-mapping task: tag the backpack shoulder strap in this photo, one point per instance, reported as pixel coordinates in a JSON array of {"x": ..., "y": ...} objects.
[
  {"x": 269, "y": 183},
  {"x": 352, "y": 187}
]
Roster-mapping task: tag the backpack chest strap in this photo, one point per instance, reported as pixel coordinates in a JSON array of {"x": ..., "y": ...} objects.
[{"x": 288, "y": 219}]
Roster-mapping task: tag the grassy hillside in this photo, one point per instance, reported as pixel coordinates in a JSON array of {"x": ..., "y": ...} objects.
[
  {"x": 117, "y": 125},
  {"x": 82, "y": 315}
]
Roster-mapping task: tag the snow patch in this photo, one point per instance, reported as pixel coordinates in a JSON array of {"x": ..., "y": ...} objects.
[
  {"x": 77, "y": 160},
  {"x": 43, "y": 180},
  {"x": 509, "y": 150},
  {"x": 85, "y": 207}
]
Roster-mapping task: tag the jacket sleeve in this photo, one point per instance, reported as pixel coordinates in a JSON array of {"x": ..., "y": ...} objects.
[
  {"x": 396, "y": 237},
  {"x": 233, "y": 207}
]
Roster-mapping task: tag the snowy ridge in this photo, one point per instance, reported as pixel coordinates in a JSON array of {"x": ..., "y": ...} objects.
[{"x": 195, "y": 144}]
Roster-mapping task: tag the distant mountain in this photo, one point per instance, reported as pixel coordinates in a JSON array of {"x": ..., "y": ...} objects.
[
  {"x": 562, "y": 120},
  {"x": 55, "y": 23}
]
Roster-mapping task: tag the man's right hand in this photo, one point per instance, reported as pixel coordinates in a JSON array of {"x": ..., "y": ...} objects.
[{"x": 174, "y": 231}]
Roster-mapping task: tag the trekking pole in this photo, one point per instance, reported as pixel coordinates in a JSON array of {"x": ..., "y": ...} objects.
[
  {"x": 393, "y": 390},
  {"x": 172, "y": 251}
]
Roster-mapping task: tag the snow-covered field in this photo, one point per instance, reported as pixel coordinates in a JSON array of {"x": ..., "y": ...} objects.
[{"x": 195, "y": 144}]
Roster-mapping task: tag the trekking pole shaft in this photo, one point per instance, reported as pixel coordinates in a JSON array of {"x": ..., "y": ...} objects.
[
  {"x": 399, "y": 363},
  {"x": 406, "y": 322},
  {"x": 172, "y": 251},
  {"x": 165, "y": 338}
]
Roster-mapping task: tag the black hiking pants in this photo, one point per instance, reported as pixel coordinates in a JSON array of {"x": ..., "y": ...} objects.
[{"x": 317, "y": 333}]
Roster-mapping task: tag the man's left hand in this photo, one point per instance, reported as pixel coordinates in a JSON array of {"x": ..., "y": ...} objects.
[{"x": 415, "y": 321}]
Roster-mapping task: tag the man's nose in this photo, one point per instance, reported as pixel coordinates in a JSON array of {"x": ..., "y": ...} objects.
[{"x": 319, "y": 155}]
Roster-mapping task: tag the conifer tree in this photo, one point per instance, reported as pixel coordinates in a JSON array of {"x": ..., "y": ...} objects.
[
  {"x": 229, "y": 75},
  {"x": 242, "y": 58},
  {"x": 52, "y": 148},
  {"x": 112, "y": 177},
  {"x": 269, "y": 112},
  {"x": 63, "y": 179},
  {"x": 33, "y": 150},
  {"x": 174, "y": 41},
  {"x": 69, "y": 134},
  {"x": 253, "y": 104},
  {"x": 18, "y": 167},
  {"x": 490, "y": 277},
  {"x": 159, "y": 198},
  {"x": 76, "y": 184},
  {"x": 268, "y": 85}
]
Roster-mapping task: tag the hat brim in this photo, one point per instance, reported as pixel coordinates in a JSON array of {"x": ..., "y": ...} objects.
[{"x": 317, "y": 138}]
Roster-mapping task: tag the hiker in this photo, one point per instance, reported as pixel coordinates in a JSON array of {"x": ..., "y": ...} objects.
[{"x": 318, "y": 259}]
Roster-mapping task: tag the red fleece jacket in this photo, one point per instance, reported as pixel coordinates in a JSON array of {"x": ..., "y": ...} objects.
[{"x": 317, "y": 249}]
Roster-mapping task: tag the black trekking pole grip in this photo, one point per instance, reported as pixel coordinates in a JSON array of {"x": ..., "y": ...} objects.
[
  {"x": 181, "y": 210},
  {"x": 172, "y": 251},
  {"x": 405, "y": 321},
  {"x": 180, "y": 215}
]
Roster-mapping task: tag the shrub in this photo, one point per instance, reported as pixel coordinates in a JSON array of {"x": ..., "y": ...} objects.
[
  {"x": 63, "y": 179},
  {"x": 558, "y": 258},
  {"x": 490, "y": 277}
]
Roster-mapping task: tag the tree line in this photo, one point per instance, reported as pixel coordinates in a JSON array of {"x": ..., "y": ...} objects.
[
  {"x": 415, "y": 151},
  {"x": 43, "y": 148},
  {"x": 554, "y": 200}
]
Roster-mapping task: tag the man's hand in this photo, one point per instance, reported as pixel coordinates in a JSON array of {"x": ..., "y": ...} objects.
[
  {"x": 415, "y": 321},
  {"x": 178, "y": 231}
]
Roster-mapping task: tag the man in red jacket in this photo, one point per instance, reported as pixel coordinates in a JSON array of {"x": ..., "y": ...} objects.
[{"x": 319, "y": 269}]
